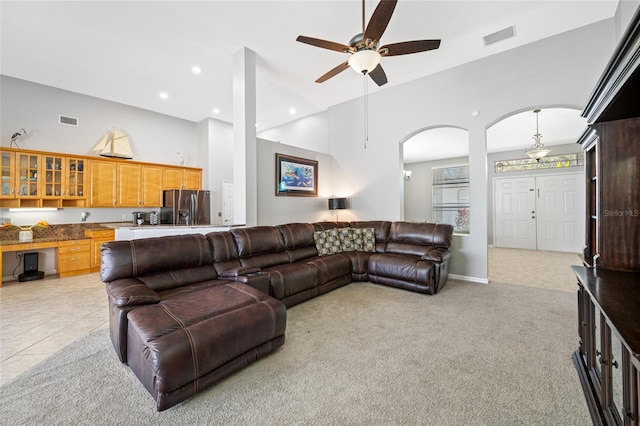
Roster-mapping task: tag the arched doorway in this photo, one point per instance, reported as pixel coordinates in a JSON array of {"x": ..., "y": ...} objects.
[{"x": 436, "y": 178}]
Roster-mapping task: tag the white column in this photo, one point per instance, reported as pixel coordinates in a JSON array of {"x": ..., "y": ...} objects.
[{"x": 245, "y": 179}]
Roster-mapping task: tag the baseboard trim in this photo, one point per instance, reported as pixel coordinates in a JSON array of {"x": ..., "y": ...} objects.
[{"x": 470, "y": 279}]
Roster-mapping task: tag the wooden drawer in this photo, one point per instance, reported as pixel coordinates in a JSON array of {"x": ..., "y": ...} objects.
[
  {"x": 100, "y": 233},
  {"x": 74, "y": 257},
  {"x": 69, "y": 262},
  {"x": 74, "y": 246}
]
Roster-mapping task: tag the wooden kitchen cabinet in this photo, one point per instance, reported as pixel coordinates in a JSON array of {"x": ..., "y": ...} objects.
[
  {"x": 8, "y": 176},
  {"x": 139, "y": 185},
  {"x": 75, "y": 183},
  {"x": 98, "y": 236},
  {"x": 182, "y": 178},
  {"x": 74, "y": 257},
  {"x": 48, "y": 179},
  {"x": 102, "y": 181}
]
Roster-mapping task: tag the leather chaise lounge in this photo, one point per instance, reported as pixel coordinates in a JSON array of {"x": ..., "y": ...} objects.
[{"x": 187, "y": 311}]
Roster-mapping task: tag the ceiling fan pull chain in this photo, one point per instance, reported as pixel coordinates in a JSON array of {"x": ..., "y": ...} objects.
[{"x": 366, "y": 110}]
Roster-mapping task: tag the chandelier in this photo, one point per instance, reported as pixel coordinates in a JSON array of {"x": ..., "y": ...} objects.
[{"x": 537, "y": 150}]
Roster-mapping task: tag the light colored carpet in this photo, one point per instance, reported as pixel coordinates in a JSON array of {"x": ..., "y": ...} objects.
[
  {"x": 473, "y": 354},
  {"x": 534, "y": 268}
]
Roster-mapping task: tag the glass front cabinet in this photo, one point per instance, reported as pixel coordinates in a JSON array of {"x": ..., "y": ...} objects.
[{"x": 608, "y": 365}]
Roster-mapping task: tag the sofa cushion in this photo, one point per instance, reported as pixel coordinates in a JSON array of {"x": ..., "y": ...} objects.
[
  {"x": 287, "y": 280},
  {"x": 152, "y": 256},
  {"x": 260, "y": 246},
  {"x": 402, "y": 271},
  {"x": 225, "y": 253},
  {"x": 381, "y": 230},
  {"x": 296, "y": 235},
  {"x": 327, "y": 242},
  {"x": 425, "y": 234},
  {"x": 298, "y": 240}
]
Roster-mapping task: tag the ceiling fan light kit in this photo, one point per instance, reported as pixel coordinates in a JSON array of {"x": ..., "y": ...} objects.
[{"x": 364, "y": 61}]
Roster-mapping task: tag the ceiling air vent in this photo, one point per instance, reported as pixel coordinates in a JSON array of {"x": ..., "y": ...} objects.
[
  {"x": 69, "y": 121},
  {"x": 499, "y": 35}
]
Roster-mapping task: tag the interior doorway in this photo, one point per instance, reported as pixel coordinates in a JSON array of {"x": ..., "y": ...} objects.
[
  {"x": 227, "y": 202},
  {"x": 539, "y": 212}
]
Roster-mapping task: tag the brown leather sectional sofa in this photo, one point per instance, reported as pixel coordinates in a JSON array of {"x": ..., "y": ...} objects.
[{"x": 188, "y": 310}]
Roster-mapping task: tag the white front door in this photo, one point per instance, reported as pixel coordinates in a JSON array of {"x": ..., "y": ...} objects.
[
  {"x": 560, "y": 205},
  {"x": 540, "y": 213},
  {"x": 515, "y": 223},
  {"x": 227, "y": 203}
]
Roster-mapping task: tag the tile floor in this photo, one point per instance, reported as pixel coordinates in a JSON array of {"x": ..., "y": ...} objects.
[{"x": 38, "y": 318}]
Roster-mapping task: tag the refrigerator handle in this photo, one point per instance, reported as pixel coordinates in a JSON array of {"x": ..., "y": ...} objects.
[{"x": 194, "y": 209}]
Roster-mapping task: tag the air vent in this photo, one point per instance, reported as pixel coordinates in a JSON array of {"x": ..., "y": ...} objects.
[
  {"x": 499, "y": 35},
  {"x": 69, "y": 121}
]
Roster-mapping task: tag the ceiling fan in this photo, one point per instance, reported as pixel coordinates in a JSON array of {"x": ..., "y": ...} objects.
[{"x": 364, "y": 47}]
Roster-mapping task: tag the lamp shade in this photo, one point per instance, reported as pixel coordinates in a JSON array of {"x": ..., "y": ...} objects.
[
  {"x": 364, "y": 61},
  {"x": 337, "y": 203}
]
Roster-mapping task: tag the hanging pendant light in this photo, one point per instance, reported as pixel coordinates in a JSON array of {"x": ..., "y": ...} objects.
[{"x": 537, "y": 150}]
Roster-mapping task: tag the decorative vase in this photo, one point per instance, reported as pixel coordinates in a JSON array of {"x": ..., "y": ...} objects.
[{"x": 25, "y": 235}]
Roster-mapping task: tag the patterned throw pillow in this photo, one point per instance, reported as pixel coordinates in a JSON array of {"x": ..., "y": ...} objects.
[
  {"x": 327, "y": 242},
  {"x": 364, "y": 239},
  {"x": 346, "y": 239}
]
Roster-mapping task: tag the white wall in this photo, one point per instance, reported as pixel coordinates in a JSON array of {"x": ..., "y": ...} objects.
[
  {"x": 310, "y": 133},
  {"x": 216, "y": 140},
  {"x": 154, "y": 137},
  {"x": 275, "y": 210}
]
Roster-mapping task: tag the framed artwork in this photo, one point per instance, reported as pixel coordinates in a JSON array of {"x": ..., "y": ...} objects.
[{"x": 296, "y": 176}]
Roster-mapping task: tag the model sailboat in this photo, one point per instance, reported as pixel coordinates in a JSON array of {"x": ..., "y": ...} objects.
[{"x": 114, "y": 144}]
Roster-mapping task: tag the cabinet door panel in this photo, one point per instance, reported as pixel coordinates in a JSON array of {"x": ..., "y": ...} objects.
[
  {"x": 193, "y": 179},
  {"x": 103, "y": 184},
  {"x": 28, "y": 175},
  {"x": 129, "y": 176},
  {"x": 173, "y": 178},
  {"x": 7, "y": 174},
  {"x": 151, "y": 186}
]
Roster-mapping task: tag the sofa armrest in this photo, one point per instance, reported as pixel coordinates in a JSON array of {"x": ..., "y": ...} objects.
[
  {"x": 258, "y": 280},
  {"x": 437, "y": 255},
  {"x": 131, "y": 292},
  {"x": 239, "y": 271}
]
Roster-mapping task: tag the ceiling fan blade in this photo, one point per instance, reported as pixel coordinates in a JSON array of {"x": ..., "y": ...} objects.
[
  {"x": 407, "y": 47},
  {"x": 343, "y": 66},
  {"x": 338, "y": 47},
  {"x": 378, "y": 75},
  {"x": 379, "y": 20}
]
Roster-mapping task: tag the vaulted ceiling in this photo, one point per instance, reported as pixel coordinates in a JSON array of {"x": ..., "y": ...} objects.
[{"x": 129, "y": 52}]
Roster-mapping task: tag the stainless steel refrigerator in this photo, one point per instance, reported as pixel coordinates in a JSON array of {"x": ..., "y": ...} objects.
[{"x": 186, "y": 207}]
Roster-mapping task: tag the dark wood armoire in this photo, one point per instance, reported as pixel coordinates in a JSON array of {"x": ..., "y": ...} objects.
[{"x": 608, "y": 355}]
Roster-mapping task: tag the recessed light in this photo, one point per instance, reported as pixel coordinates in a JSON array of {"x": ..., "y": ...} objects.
[
  {"x": 292, "y": 111},
  {"x": 163, "y": 95},
  {"x": 196, "y": 69},
  {"x": 216, "y": 110}
]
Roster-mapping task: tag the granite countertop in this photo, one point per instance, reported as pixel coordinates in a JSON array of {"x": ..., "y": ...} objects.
[{"x": 55, "y": 233}]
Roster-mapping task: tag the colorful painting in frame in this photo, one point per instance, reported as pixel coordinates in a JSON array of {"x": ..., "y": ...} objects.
[{"x": 296, "y": 176}]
